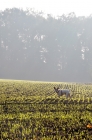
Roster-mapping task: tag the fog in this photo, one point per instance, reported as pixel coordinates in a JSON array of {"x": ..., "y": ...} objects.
[{"x": 45, "y": 49}]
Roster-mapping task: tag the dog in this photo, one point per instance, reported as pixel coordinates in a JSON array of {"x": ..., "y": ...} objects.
[{"x": 62, "y": 92}]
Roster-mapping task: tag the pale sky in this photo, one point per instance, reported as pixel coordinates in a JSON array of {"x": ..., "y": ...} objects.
[{"x": 54, "y": 7}]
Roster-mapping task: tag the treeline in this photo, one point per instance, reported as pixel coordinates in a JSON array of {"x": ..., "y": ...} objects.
[{"x": 33, "y": 47}]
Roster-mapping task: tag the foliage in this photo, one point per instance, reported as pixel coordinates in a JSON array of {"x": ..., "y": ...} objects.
[{"x": 60, "y": 48}]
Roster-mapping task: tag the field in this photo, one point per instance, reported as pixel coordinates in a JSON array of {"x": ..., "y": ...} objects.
[{"x": 31, "y": 110}]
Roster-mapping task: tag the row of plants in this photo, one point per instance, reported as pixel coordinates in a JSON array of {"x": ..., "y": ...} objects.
[{"x": 44, "y": 107}]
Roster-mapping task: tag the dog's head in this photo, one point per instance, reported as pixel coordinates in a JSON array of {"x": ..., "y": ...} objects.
[{"x": 56, "y": 89}]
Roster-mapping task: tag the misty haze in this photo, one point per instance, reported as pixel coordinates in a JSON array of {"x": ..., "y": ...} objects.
[{"x": 45, "y": 49}]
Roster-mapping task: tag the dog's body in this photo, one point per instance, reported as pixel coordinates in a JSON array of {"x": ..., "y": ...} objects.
[{"x": 62, "y": 92}]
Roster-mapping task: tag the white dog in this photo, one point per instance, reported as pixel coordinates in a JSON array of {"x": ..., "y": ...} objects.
[{"x": 62, "y": 92}]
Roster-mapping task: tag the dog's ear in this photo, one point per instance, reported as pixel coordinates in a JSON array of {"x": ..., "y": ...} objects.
[{"x": 54, "y": 88}]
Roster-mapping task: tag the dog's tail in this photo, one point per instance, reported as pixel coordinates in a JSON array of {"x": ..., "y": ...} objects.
[{"x": 71, "y": 92}]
